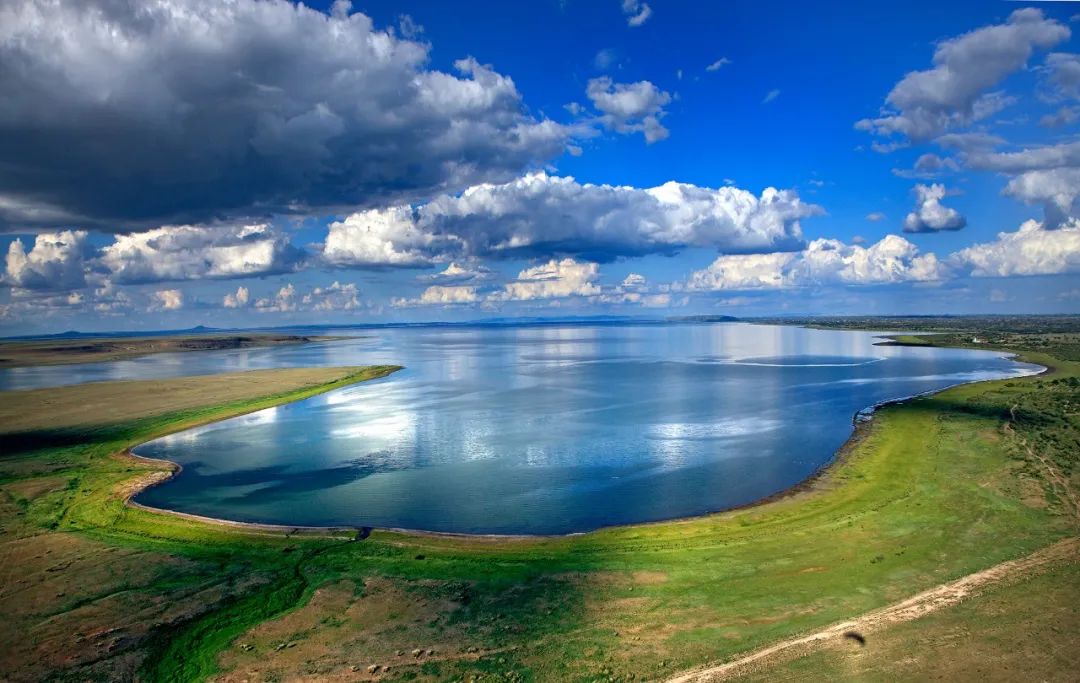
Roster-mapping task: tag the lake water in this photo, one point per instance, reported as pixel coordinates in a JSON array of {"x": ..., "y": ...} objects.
[{"x": 534, "y": 430}]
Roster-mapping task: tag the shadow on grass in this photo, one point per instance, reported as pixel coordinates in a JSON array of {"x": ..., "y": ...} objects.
[
  {"x": 18, "y": 443},
  {"x": 999, "y": 411}
]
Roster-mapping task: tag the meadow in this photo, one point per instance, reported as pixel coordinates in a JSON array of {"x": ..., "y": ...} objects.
[{"x": 928, "y": 491}]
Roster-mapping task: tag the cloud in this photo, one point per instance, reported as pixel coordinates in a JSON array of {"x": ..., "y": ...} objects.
[
  {"x": 554, "y": 279},
  {"x": 930, "y": 215},
  {"x": 635, "y": 289},
  {"x": 955, "y": 91},
  {"x": 239, "y": 299},
  {"x": 25, "y": 302},
  {"x": 604, "y": 60},
  {"x": 630, "y": 107},
  {"x": 109, "y": 300},
  {"x": 1056, "y": 189},
  {"x": 972, "y": 141},
  {"x": 1062, "y": 72},
  {"x": 744, "y": 271},
  {"x": 167, "y": 300},
  {"x": 336, "y": 297},
  {"x": 408, "y": 27},
  {"x": 887, "y": 147},
  {"x": 55, "y": 262},
  {"x": 1031, "y": 250},
  {"x": 122, "y": 115},
  {"x": 379, "y": 238},
  {"x": 637, "y": 12},
  {"x": 929, "y": 166},
  {"x": 1062, "y": 117},
  {"x": 875, "y": 217},
  {"x": 283, "y": 301},
  {"x": 1028, "y": 159},
  {"x": 1048, "y": 175},
  {"x": 718, "y": 64},
  {"x": 552, "y": 282},
  {"x": 456, "y": 274},
  {"x": 193, "y": 252},
  {"x": 824, "y": 261},
  {"x": 770, "y": 96},
  {"x": 541, "y": 216},
  {"x": 442, "y": 295}
]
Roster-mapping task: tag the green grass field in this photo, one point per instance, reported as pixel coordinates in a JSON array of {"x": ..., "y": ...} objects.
[{"x": 930, "y": 491}]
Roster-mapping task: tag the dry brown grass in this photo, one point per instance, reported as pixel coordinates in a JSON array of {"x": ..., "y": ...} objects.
[
  {"x": 72, "y": 601},
  {"x": 103, "y": 403},
  {"x": 345, "y": 630}
]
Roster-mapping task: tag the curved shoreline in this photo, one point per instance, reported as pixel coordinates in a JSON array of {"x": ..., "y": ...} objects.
[{"x": 861, "y": 421}]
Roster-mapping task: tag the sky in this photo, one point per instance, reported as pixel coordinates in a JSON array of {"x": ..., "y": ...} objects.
[{"x": 175, "y": 163}]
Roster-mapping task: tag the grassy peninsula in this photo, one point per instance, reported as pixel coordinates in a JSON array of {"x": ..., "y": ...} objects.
[{"x": 929, "y": 491}]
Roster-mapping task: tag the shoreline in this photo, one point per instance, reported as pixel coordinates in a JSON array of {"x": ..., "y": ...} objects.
[{"x": 862, "y": 421}]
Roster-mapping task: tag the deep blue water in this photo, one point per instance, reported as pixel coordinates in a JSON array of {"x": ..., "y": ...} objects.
[{"x": 534, "y": 430}]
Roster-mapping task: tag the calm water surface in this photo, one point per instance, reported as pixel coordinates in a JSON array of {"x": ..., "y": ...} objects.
[{"x": 534, "y": 430}]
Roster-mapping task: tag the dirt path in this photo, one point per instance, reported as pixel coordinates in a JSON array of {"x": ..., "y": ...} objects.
[
  {"x": 945, "y": 595},
  {"x": 939, "y": 597}
]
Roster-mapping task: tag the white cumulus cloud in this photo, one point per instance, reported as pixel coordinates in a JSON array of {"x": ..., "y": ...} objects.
[
  {"x": 336, "y": 297},
  {"x": 167, "y": 299},
  {"x": 543, "y": 216},
  {"x": 551, "y": 280},
  {"x": 443, "y": 295},
  {"x": 630, "y": 107},
  {"x": 192, "y": 252},
  {"x": 388, "y": 237},
  {"x": 55, "y": 262},
  {"x": 282, "y": 302},
  {"x": 1031, "y": 250},
  {"x": 930, "y": 215},
  {"x": 824, "y": 261},
  {"x": 237, "y": 299}
]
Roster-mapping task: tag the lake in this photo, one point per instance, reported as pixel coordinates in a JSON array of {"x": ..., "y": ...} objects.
[{"x": 534, "y": 429}]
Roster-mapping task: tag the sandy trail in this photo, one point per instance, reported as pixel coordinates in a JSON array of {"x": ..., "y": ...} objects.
[{"x": 939, "y": 597}]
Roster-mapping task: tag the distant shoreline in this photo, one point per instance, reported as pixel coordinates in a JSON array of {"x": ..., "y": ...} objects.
[{"x": 75, "y": 350}]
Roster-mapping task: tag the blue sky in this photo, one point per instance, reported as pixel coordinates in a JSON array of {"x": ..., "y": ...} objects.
[{"x": 328, "y": 168}]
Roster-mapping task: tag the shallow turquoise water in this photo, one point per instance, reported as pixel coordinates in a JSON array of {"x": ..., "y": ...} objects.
[{"x": 537, "y": 430}]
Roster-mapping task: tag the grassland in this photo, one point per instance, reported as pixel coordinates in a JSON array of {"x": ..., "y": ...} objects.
[
  {"x": 930, "y": 491},
  {"x": 19, "y": 353}
]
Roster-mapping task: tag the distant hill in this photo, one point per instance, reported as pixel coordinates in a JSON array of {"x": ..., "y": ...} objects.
[{"x": 75, "y": 334}]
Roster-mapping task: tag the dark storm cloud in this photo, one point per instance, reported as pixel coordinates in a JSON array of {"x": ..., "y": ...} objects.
[{"x": 122, "y": 114}]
